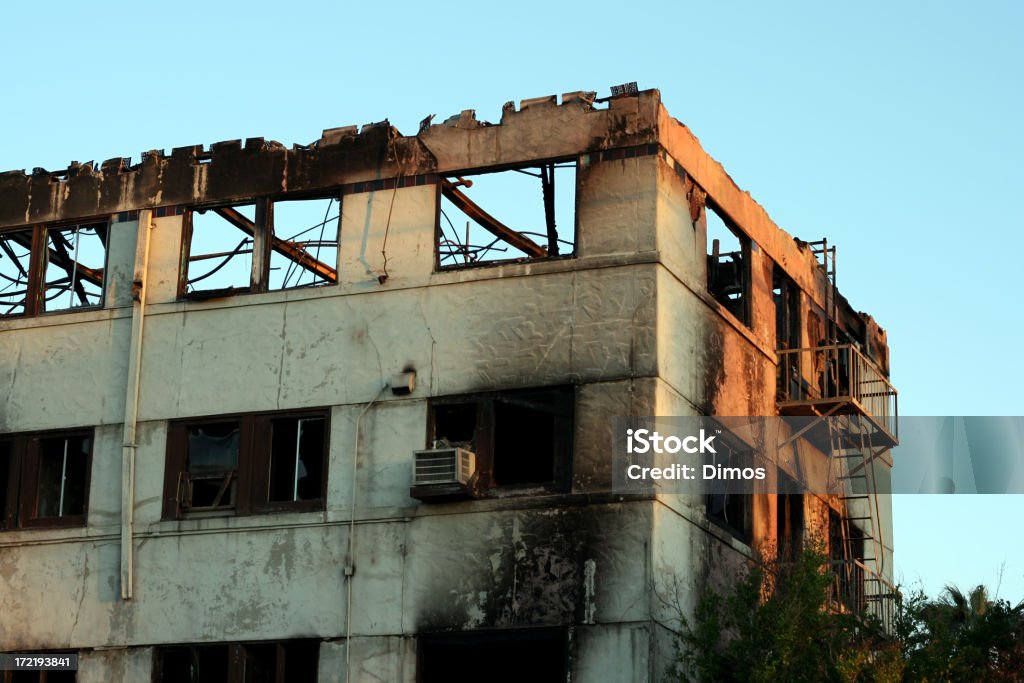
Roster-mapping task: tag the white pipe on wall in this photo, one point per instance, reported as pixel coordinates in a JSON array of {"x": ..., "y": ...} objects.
[{"x": 131, "y": 403}]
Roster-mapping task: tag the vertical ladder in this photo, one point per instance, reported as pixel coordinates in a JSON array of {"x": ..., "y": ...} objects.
[{"x": 858, "y": 492}]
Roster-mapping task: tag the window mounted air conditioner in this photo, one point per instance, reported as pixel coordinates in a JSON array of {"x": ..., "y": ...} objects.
[{"x": 443, "y": 474}]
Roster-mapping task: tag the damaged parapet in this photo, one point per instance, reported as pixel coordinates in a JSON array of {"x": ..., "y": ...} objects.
[{"x": 230, "y": 171}]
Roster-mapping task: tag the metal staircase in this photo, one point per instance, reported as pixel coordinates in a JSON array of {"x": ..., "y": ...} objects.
[{"x": 852, "y": 409}]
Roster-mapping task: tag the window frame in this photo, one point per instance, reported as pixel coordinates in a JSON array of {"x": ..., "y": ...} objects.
[
  {"x": 746, "y": 271},
  {"x": 235, "y": 655},
  {"x": 254, "y": 458},
  {"x": 505, "y": 168},
  {"x": 35, "y": 304},
  {"x": 522, "y": 638},
  {"x": 740, "y": 450},
  {"x": 483, "y": 445},
  {"x": 262, "y": 245},
  {"x": 21, "y": 499}
]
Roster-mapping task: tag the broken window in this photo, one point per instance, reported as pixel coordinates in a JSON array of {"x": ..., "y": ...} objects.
[
  {"x": 246, "y": 464},
  {"x": 789, "y": 524},
  {"x": 520, "y": 438},
  {"x": 517, "y": 214},
  {"x": 44, "y": 479},
  {"x": 540, "y": 656},
  {"x": 786, "y": 296},
  {"x": 52, "y": 268},
  {"x": 265, "y": 662},
  {"x": 260, "y": 246},
  {"x": 728, "y": 264},
  {"x": 730, "y": 504}
]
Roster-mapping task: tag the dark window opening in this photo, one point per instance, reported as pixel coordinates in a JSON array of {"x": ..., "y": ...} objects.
[
  {"x": 786, "y": 296},
  {"x": 296, "y": 459},
  {"x": 269, "y": 662},
  {"x": 63, "y": 470},
  {"x": 516, "y": 214},
  {"x": 6, "y": 481},
  {"x": 44, "y": 480},
  {"x": 499, "y": 657},
  {"x": 455, "y": 423},
  {"x": 729, "y": 504},
  {"x": 520, "y": 437},
  {"x": 246, "y": 464},
  {"x": 728, "y": 264},
  {"x": 789, "y": 526},
  {"x": 44, "y": 269},
  {"x": 260, "y": 246}
]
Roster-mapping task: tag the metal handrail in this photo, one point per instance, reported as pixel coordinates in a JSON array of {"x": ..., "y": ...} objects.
[
  {"x": 850, "y": 590},
  {"x": 837, "y": 372}
]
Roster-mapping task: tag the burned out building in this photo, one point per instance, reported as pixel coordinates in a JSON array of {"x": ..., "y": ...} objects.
[{"x": 343, "y": 411}]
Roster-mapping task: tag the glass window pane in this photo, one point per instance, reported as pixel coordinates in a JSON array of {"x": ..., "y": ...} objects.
[
  {"x": 296, "y": 459},
  {"x": 63, "y": 470},
  {"x": 213, "y": 447}
]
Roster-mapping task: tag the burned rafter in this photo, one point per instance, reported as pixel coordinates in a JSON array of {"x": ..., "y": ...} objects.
[
  {"x": 286, "y": 248},
  {"x": 490, "y": 223},
  {"x": 93, "y": 276}
]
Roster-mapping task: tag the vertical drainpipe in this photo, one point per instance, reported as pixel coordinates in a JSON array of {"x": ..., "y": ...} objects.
[{"x": 131, "y": 403}]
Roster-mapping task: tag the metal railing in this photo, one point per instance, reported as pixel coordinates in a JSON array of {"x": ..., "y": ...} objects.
[
  {"x": 858, "y": 589},
  {"x": 833, "y": 374}
]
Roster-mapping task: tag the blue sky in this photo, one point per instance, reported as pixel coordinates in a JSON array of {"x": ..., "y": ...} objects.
[{"x": 893, "y": 130}]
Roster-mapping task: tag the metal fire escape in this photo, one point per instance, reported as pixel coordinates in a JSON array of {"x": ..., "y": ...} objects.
[{"x": 851, "y": 411}]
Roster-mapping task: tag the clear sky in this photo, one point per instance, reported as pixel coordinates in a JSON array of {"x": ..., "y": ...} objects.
[{"x": 894, "y": 129}]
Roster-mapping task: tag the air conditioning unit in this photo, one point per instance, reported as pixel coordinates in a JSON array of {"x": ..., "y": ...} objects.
[{"x": 443, "y": 466}]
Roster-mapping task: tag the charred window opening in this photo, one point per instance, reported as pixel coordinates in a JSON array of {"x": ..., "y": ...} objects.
[
  {"x": 516, "y": 214},
  {"x": 265, "y": 662},
  {"x": 789, "y": 526},
  {"x": 728, "y": 264},
  {"x": 44, "y": 479},
  {"x": 729, "y": 505},
  {"x": 260, "y": 246},
  {"x": 52, "y": 268},
  {"x": 246, "y": 464},
  {"x": 521, "y": 438},
  {"x": 508, "y": 657},
  {"x": 786, "y": 296}
]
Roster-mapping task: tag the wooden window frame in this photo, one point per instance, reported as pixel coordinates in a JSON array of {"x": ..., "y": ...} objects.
[
  {"x": 35, "y": 304},
  {"x": 483, "y": 438},
  {"x": 254, "y": 458},
  {"x": 22, "y": 496},
  {"x": 262, "y": 245}
]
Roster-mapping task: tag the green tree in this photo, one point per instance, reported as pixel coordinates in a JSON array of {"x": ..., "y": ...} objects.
[
  {"x": 962, "y": 637},
  {"x": 776, "y": 624}
]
